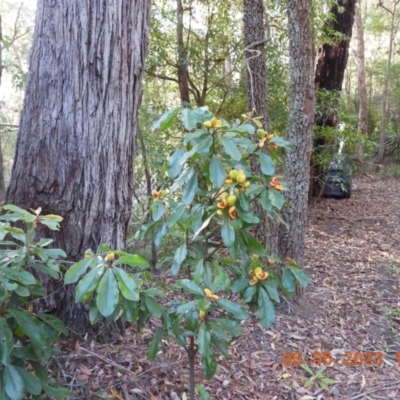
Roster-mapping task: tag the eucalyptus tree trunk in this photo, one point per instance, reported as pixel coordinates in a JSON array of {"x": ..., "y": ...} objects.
[
  {"x": 76, "y": 138},
  {"x": 257, "y": 91},
  {"x": 362, "y": 88},
  {"x": 393, "y": 31},
  {"x": 331, "y": 62},
  {"x": 2, "y": 183},
  {"x": 300, "y": 130}
]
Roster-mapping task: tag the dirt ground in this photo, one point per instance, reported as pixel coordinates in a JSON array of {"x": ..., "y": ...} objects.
[{"x": 349, "y": 318}]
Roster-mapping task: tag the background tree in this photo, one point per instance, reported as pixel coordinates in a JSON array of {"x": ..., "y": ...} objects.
[
  {"x": 75, "y": 146},
  {"x": 300, "y": 131},
  {"x": 331, "y": 62}
]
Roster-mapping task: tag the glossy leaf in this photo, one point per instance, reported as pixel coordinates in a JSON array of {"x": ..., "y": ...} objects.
[
  {"x": 13, "y": 383},
  {"x": 266, "y": 310},
  {"x": 272, "y": 289},
  {"x": 54, "y": 322},
  {"x": 239, "y": 285},
  {"x": 266, "y": 164},
  {"x": 288, "y": 280},
  {"x": 127, "y": 285},
  {"x": 166, "y": 120},
  {"x": 155, "y": 344},
  {"x": 76, "y": 271},
  {"x": 232, "y": 327},
  {"x": 300, "y": 275},
  {"x": 31, "y": 383},
  {"x": 157, "y": 209},
  {"x": 203, "y": 340},
  {"x": 88, "y": 284},
  {"x": 217, "y": 172},
  {"x": 190, "y": 190},
  {"x": 189, "y": 119},
  {"x": 107, "y": 294},
  {"x": 231, "y": 149},
  {"x": 276, "y": 198},
  {"x": 133, "y": 260},
  {"x": 235, "y": 309},
  {"x": 204, "y": 395},
  {"x": 190, "y": 287},
  {"x": 228, "y": 234},
  {"x": 209, "y": 366},
  {"x": 153, "y": 306},
  {"x": 6, "y": 343}
]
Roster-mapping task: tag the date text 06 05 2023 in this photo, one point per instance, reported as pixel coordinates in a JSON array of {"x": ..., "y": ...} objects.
[{"x": 348, "y": 359}]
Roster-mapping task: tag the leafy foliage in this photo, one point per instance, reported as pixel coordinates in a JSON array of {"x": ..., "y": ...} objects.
[{"x": 27, "y": 337}]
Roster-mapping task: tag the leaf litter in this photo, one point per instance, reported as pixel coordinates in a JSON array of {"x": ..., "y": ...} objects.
[{"x": 353, "y": 305}]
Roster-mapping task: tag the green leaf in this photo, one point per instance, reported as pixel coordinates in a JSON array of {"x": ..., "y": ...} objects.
[
  {"x": 239, "y": 285},
  {"x": 243, "y": 201},
  {"x": 266, "y": 310},
  {"x": 13, "y": 383},
  {"x": 307, "y": 369},
  {"x": 221, "y": 345},
  {"x": 288, "y": 280},
  {"x": 157, "y": 209},
  {"x": 32, "y": 327},
  {"x": 88, "y": 284},
  {"x": 203, "y": 340},
  {"x": 155, "y": 344},
  {"x": 166, "y": 120},
  {"x": 271, "y": 287},
  {"x": 107, "y": 294},
  {"x": 127, "y": 285},
  {"x": 6, "y": 342},
  {"x": 59, "y": 393},
  {"x": 31, "y": 384},
  {"x": 235, "y": 309},
  {"x": 276, "y": 198},
  {"x": 176, "y": 215},
  {"x": 198, "y": 271},
  {"x": 307, "y": 383},
  {"x": 204, "y": 395},
  {"x": 94, "y": 314},
  {"x": 249, "y": 294},
  {"x": 133, "y": 260},
  {"x": 76, "y": 271},
  {"x": 228, "y": 234},
  {"x": 54, "y": 322},
  {"x": 247, "y": 217},
  {"x": 203, "y": 226},
  {"x": 300, "y": 275},
  {"x": 174, "y": 163},
  {"x": 281, "y": 142},
  {"x": 217, "y": 172},
  {"x": 181, "y": 253},
  {"x": 209, "y": 366},
  {"x": 266, "y": 164},
  {"x": 160, "y": 232},
  {"x": 190, "y": 287},
  {"x": 153, "y": 306},
  {"x": 232, "y": 327},
  {"x": 231, "y": 149},
  {"x": 189, "y": 119},
  {"x": 190, "y": 190}
]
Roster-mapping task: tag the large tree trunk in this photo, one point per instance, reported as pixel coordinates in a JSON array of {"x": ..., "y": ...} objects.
[
  {"x": 256, "y": 87},
  {"x": 300, "y": 131},
  {"x": 76, "y": 137},
  {"x": 331, "y": 64}
]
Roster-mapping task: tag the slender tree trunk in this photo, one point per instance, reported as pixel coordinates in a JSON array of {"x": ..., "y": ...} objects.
[
  {"x": 362, "y": 88},
  {"x": 75, "y": 145},
  {"x": 2, "y": 183},
  {"x": 393, "y": 31},
  {"x": 183, "y": 71},
  {"x": 256, "y": 88},
  {"x": 300, "y": 131},
  {"x": 331, "y": 64}
]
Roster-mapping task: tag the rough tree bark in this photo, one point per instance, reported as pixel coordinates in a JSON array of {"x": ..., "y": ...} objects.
[
  {"x": 331, "y": 62},
  {"x": 75, "y": 145},
  {"x": 300, "y": 130},
  {"x": 257, "y": 89}
]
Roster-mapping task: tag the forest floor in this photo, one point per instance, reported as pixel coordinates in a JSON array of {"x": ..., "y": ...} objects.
[{"x": 351, "y": 310}]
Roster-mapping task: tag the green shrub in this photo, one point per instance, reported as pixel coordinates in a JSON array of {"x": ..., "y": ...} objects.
[{"x": 27, "y": 338}]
